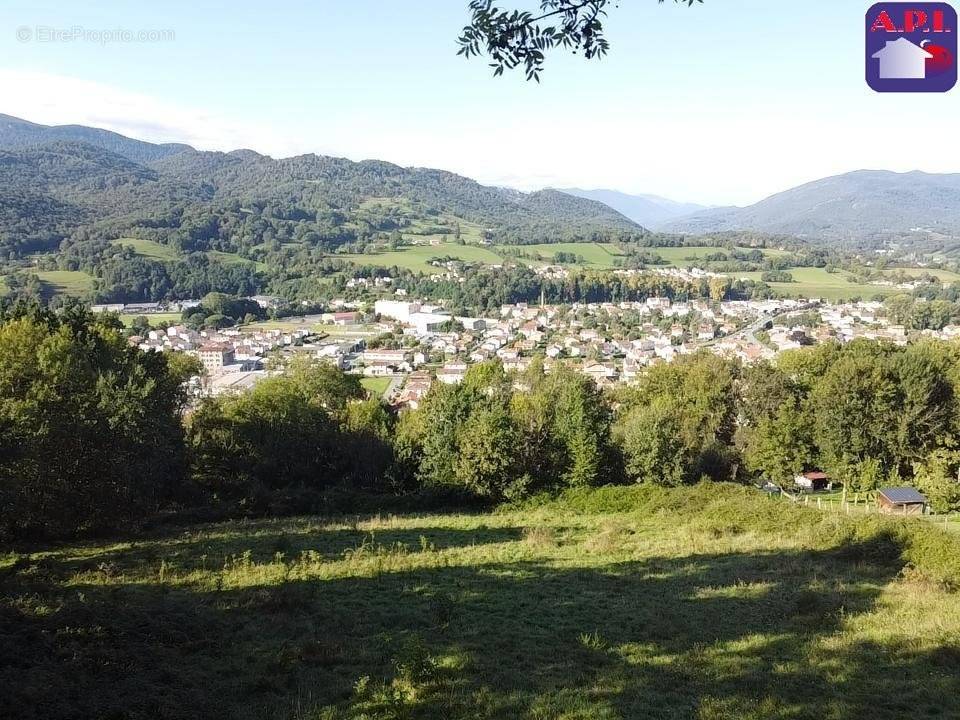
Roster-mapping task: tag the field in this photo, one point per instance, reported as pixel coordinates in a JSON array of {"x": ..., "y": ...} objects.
[
  {"x": 66, "y": 282},
  {"x": 153, "y": 318},
  {"x": 415, "y": 257},
  {"x": 148, "y": 249},
  {"x": 595, "y": 255},
  {"x": 710, "y": 603},
  {"x": 947, "y": 276},
  {"x": 818, "y": 283},
  {"x": 376, "y": 385}
]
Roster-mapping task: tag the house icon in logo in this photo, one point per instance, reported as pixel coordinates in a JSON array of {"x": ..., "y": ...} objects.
[{"x": 902, "y": 60}]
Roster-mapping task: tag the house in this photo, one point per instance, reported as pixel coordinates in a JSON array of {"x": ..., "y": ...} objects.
[
  {"x": 346, "y": 318},
  {"x": 901, "y": 501},
  {"x": 215, "y": 356},
  {"x": 452, "y": 373},
  {"x": 813, "y": 480},
  {"x": 900, "y": 59}
]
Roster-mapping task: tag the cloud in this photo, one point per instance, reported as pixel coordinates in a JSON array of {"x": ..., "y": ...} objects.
[{"x": 59, "y": 100}]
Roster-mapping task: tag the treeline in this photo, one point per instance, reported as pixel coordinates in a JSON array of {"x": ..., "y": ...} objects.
[
  {"x": 95, "y": 434},
  {"x": 484, "y": 290}
]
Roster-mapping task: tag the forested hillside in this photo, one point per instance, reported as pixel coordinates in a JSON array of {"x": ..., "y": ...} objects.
[{"x": 69, "y": 205}]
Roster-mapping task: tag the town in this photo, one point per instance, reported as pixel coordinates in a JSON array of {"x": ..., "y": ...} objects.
[{"x": 409, "y": 344}]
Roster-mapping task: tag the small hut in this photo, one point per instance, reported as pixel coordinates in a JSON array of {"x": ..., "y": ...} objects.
[
  {"x": 901, "y": 501},
  {"x": 813, "y": 480}
]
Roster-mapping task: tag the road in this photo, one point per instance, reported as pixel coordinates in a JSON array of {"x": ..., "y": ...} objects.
[
  {"x": 749, "y": 333},
  {"x": 395, "y": 382}
]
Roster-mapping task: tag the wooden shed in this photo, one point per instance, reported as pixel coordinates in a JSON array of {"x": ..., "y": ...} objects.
[
  {"x": 813, "y": 480},
  {"x": 901, "y": 501}
]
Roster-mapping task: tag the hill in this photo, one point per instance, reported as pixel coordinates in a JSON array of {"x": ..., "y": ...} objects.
[
  {"x": 16, "y": 133},
  {"x": 711, "y": 602},
  {"x": 651, "y": 211},
  {"x": 866, "y": 207},
  {"x": 59, "y": 181}
]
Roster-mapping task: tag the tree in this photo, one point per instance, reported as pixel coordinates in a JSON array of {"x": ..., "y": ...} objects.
[
  {"x": 512, "y": 38},
  {"x": 678, "y": 424},
  {"x": 938, "y": 477},
  {"x": 780, "y": 446},
  {"x": 486, "y": 453},
  {"x": 287, "y": 440},
  {"x": 90, "y": 433},
  {"x": 650, "y": 436}
]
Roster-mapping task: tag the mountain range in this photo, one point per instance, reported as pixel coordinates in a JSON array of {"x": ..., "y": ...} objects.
[
  {"x": 865, "y": 207},
  {"x": 651, "y": 211},
  {"x": 55, "y": 180},
  {"x": 16, "y": 133}
]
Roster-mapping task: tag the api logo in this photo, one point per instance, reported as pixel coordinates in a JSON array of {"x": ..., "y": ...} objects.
[{"x": 911, "y": 47}]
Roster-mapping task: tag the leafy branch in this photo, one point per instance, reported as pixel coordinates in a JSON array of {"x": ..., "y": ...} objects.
[{"x": 512, "y": 38}]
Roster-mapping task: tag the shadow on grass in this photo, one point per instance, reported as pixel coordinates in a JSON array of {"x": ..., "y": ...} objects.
[
  {"x": 702, "y": 636},
  {"x": 187, "y": 553}
]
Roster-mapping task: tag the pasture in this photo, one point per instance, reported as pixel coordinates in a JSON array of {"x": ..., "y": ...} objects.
[
  {"x": 416, "y": 257},
  {"x": 818, "y": 283},
  {"x": 148, "y": 249},
  {"x": 710, "y": 602},
  {"x": 66, "y": 282},
  {"x": 376, "y": 385},
  {"x": 155, "y": 319},
  {"x": 595, "y": 255}
]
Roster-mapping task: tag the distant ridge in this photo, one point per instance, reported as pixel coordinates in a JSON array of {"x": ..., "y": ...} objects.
[
  {"x": 864, "y": 205},
  {"x": 16, "y": 133},
  {"x": 651, "y": 211}
]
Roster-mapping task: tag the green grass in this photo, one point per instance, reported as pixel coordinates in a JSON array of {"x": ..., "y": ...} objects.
[
  {"x": 154, "y": 318},
  {"x": 376, "y": 385},
  {"x": 416, "y": 257},
  {"x": 234, "y": 259},
  {"x": 66, "y": 282},
  {"x": 947, "y": 276},
  {"x": 595, "y": 255},
  {"x": 3, "y": 285},
  {"x": 818, "y": 283},
  {"x": 709, "y": 603},
  {"x": 148, "y": 249}
]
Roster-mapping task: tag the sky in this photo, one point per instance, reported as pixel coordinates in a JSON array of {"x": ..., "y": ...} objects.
[{"x": 720, "y": 103}]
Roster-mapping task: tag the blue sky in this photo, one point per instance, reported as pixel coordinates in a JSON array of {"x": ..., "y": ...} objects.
[{"x": 724, "y": 102}]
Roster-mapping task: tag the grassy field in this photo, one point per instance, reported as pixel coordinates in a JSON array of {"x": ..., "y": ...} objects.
[
  {"x": 148, "y": 249},
  {"x": 154, "y": 318},
  {"x": 595, "y": 255},
  {"x": 415, "y": 257},
  {"x": 376, "y": 385},
  {"x": 818, "y": 283},
  {"x": 947, "y": 276},
  {"x": 709, "y": 603},
  {"x": 66, "y": 282}
]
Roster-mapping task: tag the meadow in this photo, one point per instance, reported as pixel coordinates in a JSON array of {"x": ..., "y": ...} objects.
[
  {"x": 154, "y": 319},
  {"x": 707, "y": 602},
  {"x": 148, "y": 248},
  {"x": 812, "y": 282},
  {"x": 596, "y": 256},
  {"x": 416, "y": 257},
  {"x": 66, "y": 282},
  {"x": 376, "y": 385}
]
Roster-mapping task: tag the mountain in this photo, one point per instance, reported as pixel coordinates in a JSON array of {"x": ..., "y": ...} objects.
[
  {"x": 651, "y": 211},
  {"x": 16, "y": 133},
  {"x": 865, "y": 207},
  {"x": 76, "y": 196}
]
